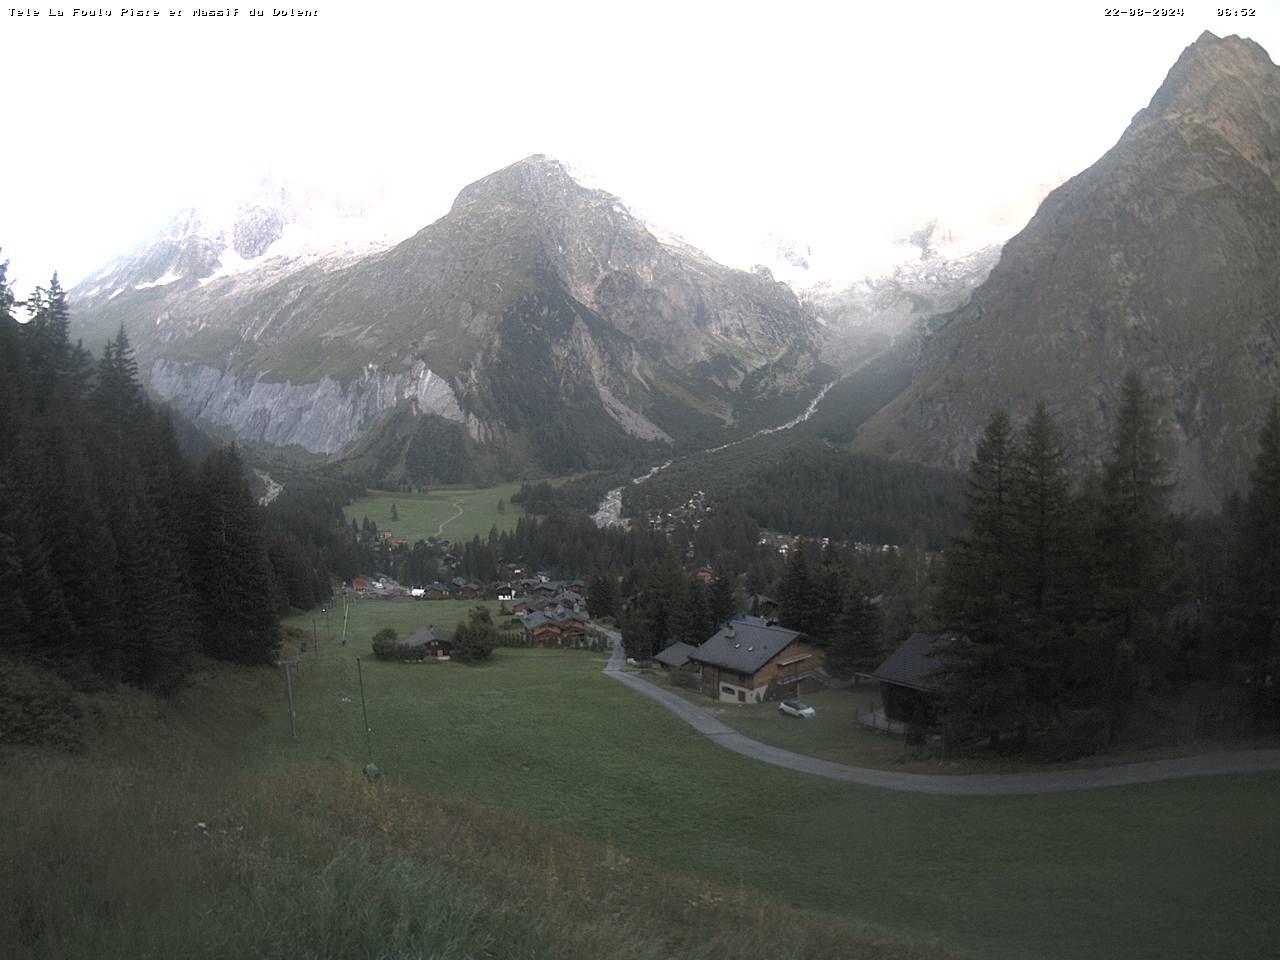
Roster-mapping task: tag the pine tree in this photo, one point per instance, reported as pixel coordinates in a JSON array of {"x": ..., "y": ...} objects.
[
  {"x": 1038, "y": 515},
  {"x": 854, "y": 645},
  {"x": 395, "y": 514},
  {"x": 1256, "y": 564},
  {"x": 232, "y": 573},
  {"x": 985, "y": 687},
  {"x": 1133, "y": 550},
  {"x": 975, "y": 587},
  {"x": 798, "y": 594},
  {"x": 721, "y": 605}
]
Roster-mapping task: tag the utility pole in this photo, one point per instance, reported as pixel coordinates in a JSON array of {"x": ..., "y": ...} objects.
[
  {"x": 288, "y": 685},
  {"x": 371, "y": 770},
  {"x": 346, "y": 613},
  {"x": 315, "y": 635}
]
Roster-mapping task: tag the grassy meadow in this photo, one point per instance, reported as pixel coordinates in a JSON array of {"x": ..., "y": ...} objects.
[
  {"x": 533, "y": 807},
  {"x": 457, "y": 514}
]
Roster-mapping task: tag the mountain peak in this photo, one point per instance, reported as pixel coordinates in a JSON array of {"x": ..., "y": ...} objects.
[
  {"x": 1210, "y": 75},
  {"x": 1227, "y": 85},
  {"x": 533, "y": 181}
]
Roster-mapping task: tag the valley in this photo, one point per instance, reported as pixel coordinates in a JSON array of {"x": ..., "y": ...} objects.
[
  {"x": 477, "y": 569},
  {"x": 1148, "y": 867}
]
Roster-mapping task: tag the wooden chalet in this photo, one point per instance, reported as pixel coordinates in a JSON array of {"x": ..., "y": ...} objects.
[
  {"x": 909, "y": 679},
  {"x": 432, "y": 642},
  {"x": 745, "y": 656},
  {"x": 556, "y": 628}
]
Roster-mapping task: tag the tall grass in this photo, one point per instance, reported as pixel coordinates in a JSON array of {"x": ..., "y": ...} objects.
[{"x": 119, "y": 859}]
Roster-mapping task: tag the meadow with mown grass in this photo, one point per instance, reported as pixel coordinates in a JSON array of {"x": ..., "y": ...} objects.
[
  {"x": 531, "y": 806},
  {"x": 458, "y": 514}
]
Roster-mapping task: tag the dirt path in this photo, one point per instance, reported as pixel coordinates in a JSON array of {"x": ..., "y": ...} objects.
[
  {"x": 458, "y": 504},
  {"x": 971, "y": 785}
]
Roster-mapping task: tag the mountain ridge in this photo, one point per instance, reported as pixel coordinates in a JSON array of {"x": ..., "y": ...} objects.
[
  {"x": 1155, "y": 259},
  {"x": 531, "y": 290}
]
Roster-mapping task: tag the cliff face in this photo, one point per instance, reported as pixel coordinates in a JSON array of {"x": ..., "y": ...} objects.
[
  {"x": 321, "y": 417},
  {"x": 1160, "y": 258},
  {"x": 533, "y": 298}
]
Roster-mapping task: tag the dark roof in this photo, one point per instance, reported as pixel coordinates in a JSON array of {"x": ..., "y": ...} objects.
[
  {"x": 912, "y": 663},
  {"x": 420, "y": 637},
  {"x": 676, "y": 655},
  {"x": 750, "y": 647}
]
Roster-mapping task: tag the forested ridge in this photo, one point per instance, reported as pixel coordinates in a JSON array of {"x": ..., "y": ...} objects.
[
  {"x": 120, "y": 558},
  {"x": 794, "y": 482}
]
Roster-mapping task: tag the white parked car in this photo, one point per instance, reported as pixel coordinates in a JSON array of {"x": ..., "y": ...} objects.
[{"x": 794, "y": 708}]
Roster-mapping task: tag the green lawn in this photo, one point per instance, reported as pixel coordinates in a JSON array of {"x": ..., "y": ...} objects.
[
  {"x": 457, "y": 514},
  {"x": 366, "y": 617},
  {"x": 1183, "y": 869}
]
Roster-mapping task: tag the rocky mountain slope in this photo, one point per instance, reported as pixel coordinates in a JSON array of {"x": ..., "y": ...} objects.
[
  {"x": 872, "y": 313},
  {"x": 1162, "y": 258},
  {"x": 537, "y": 317}
]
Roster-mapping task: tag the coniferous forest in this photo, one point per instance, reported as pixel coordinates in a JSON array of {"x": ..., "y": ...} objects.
[{"x": 120, "y": 558}]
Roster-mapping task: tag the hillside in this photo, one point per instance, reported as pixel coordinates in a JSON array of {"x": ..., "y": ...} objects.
[{"x": 1158, "y": 258}]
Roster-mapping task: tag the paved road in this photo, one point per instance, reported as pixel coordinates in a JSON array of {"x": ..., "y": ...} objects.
[{"x": 970, "y": 785}]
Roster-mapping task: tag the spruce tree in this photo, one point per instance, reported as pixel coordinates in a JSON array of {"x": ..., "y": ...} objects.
[
  {"x": 985, "y": 685},
  {"x": 233, "y": 577},
  {"x": 799, "y": 594},
  {"x": 1256, "y": 564},
  {"x": 854, "y": 645},
  {"x": 721, "y": 605},
  {"x": 1134, "y": 551}
]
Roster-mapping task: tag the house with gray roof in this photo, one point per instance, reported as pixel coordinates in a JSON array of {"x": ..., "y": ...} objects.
[
  {"x": 675, "y": 656},
  {"x": 744, "y": 657},
  {"x": 909, "y": 678}
]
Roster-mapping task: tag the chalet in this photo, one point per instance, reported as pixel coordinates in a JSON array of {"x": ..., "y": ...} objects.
[
  {"x": 909, "y": 678},
  {"x": 556, "y": 628},
  {"x": 506, "y": 592},
  {"x": 542, "y": 630},
  {"x": 471, "y": 590},
  {"x": 766, "y": 607},
  {"x": 675, "y": 656},
  {"x": 743, "y": 658},
  {"x": 435, "y": 591},
  {"x": 359, "y": 583},
  {"x": 705, "y": 574},
  {"x": 432, "y": 642},
  {"x": 573, "y": 625}
]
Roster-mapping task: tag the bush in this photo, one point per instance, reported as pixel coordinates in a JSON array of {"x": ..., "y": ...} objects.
[
  {"x": 38, "y": 708},
  {"x": 475, "y": 639}
]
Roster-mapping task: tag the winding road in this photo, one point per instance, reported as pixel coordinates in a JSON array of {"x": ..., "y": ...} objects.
[{"x": 970, "y": 785}]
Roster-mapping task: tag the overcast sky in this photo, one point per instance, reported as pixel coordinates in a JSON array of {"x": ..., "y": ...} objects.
[{"x": 723, "y": 122}]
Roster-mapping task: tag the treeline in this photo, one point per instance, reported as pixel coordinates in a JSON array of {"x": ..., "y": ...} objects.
[
  {"x": 580, "y": 495},
  {"x": 120, "y": 559},
  {"x": 856, "y": 602},
  {"x": 1076, "y": 603}
]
